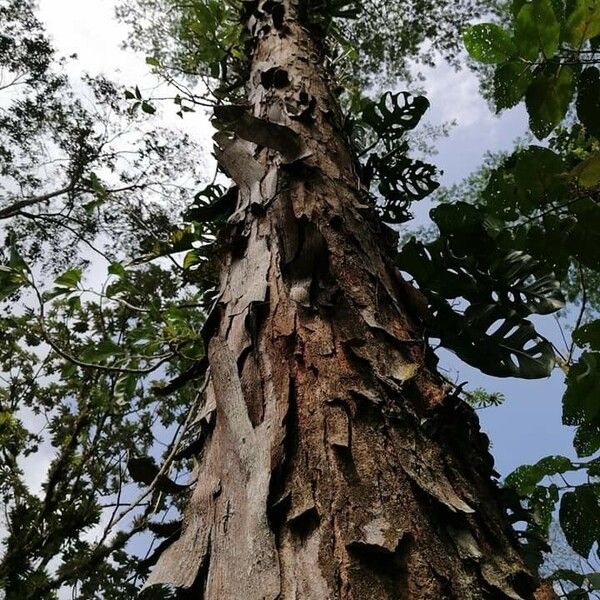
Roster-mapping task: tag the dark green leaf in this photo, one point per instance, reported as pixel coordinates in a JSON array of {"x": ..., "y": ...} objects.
[
  {"x": 588, "y": 100},
  {"x": 511, "y": 81},
  {"x": 568, "y": 575},
  {"x": 529, "y": 180},
  {"x": 587, "y": 438},
  {"x": 401, "y": 182},
  {"x": 394, "y": 114},
  {"x": 143, "y": 469},
  {"x": 594, "y": 580},
  {"x": 579, "y": 517},
  {"x": 581, "y": 402},
  {"x": 588, "y": 335},
  {"x": 548, "y": 99},
  {"x": 117, "y": 269},
  {"x": 491, "y": 333},
  {"x": 104, "y": 350},
  {"x": 13, "y": 276}
]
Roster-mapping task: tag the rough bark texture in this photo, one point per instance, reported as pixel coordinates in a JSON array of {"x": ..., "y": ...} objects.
[{"x": 334, "y": 463}]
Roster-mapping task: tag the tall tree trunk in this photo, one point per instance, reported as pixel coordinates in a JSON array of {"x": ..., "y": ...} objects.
[{"x": 334, "y": 463}]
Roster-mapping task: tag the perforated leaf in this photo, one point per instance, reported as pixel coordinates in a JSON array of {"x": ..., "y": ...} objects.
[
  {"x": 548, "y": 99},
  {"x": 579, "y": 517},
  {"x": 488, "y": 43},
  {"x": 511, "y": 81},
  {"x": 394, "y": 114},
  {"x": 401, "y": 182},
  {"x": 525, "y": 478},
  {"x": 497, "y": 343},
  {"x": 480, "y": 295}
]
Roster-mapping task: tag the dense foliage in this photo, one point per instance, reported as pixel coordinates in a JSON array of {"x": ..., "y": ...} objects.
[{"x": 545, "y": 200}]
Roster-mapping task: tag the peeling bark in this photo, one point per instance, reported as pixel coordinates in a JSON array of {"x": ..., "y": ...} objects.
[{"x": 333, "y": 466}]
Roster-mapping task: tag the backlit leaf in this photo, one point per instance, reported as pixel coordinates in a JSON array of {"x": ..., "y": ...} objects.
[
  {"x": 488, "y": 43},
  {"x": 537, "y": 30},
  {"x": 587, "y": 173},
  {"x": 548, "y": 99},
  {"x": 583, "y": 22}
]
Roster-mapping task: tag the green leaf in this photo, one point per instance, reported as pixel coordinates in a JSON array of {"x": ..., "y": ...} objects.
[
  {"x": 587, "y": 438},
  {"x": 148, "y": 108},
  {"x": 588, "y": 335},
  {"x": 568, "y": 575},
  {"x": 581, "y": 400},
  {"x": 537, "y": 30},
  {"x": 583, "y": 22},
  {"x": 588, "y": 100},
  {"x": 142, "y": 469},
  {"x": 13, "y": 276},
  {"x": 402, "y": 181},
  {"x": 594, "y": 580},
  {"x": 117, "y": 269},
  {"x": 152, "y": 61},
  {"x": 191, "y": 259},
  {"x": 527, "y": 181},
  {"x": 526, "y": 478},
  {"x": 511, "y": 81},
  {"x": 548, "y": 99},
  {"x": 69, "y": 279},
  {"x": 516, "y": 6},
  {"x": 488, "y": 43},
  {"x": 587, "y": 173},
  {"x": 491, "y": 333},
  {"x": 480, "y": 272},
  {"x": 584, "y": 237},
  {"x": 125, "y": 387},
  {"x": 579, "y": 517},
  {"x": 394, "y": 114},
  {"x": 101, "y": 352}
]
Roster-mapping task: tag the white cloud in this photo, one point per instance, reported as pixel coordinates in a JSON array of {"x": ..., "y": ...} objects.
[{"x": 455, "y": 96}]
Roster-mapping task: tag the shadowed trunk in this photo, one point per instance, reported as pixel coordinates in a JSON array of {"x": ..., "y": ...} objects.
[{"x": 334, "y": 465}]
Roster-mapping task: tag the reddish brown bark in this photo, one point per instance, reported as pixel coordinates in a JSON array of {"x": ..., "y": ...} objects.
[{"x": 335, "y": 465}]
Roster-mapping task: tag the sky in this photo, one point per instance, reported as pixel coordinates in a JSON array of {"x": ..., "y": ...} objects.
[{"x": 528, "y": 426}]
